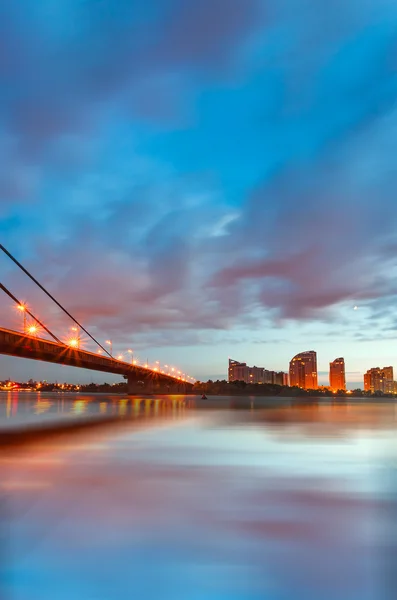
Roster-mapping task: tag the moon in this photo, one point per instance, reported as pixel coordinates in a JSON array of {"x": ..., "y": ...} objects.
[{"x": 355, "y": 308}]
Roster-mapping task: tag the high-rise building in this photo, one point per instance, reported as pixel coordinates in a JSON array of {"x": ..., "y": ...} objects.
[
  {"x": 303, "y": 370},
  {"x": 337, "y": 380},
  {"x": 388, "y": 380},
  {"x": 379, "y": 380},
  {"x": 367, "y": 381}
]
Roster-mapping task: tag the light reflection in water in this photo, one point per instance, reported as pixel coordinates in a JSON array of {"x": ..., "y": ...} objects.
[
  {"x": 42, "y": 406},
  {"x": 123, "y": 406},
  {"x": 79, "y": 406}
]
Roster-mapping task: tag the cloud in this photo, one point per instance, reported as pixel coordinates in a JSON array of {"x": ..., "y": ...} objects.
[
  {"x": 315, "y": 237},
  {"x": 66, "y": 70},
  {"x": 216, "y": 167}
]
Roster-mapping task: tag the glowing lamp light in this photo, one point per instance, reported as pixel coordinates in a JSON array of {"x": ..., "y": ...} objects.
[
  {"x": 21, "y": 307},
  {"x": 120, "y": 357},
  {"x": 32, "y": 329},
  {"x": 73, "y": 343}
]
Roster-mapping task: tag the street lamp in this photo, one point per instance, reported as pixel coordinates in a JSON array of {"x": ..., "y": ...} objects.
[
  {"x": 111, "y": 347},
  {"x": 132, "y": 355},
  {"x": 22, "y": 309},
  {"x": 75, "y": 337},
  {"x": 32, "y": 330}
]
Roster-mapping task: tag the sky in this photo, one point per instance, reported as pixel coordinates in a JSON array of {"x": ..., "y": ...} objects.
[{"x": 202, "y": 180}]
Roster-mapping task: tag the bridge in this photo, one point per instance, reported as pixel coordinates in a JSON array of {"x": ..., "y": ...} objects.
[
  {"x": 28, "y": 344},
  {"x": 141, "y": 380}
]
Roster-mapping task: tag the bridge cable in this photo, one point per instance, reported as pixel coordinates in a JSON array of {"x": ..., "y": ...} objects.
[
  {"x": 2, "y": 287},
  {"x": 52, "y": 298}
]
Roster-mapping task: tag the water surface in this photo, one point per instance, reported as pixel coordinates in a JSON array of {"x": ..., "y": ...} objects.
[{"x": 290, "y": 502}]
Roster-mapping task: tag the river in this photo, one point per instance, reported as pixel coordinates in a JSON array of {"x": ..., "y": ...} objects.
[{"x": 277, "y": 500}]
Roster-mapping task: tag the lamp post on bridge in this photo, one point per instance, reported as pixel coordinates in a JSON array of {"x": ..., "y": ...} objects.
[
  {"x": 22, "y": 309},
  {"x": 75, "y": 341},
  {"x": 111, "y": 347},
  {"x": 32, "y": 330},
  {"x": 132, "y": 355}
]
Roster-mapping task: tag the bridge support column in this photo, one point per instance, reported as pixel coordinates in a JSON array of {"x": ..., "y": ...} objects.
[
  {"x": 139, "y": 388},
  {"x": 134, "y": 387}
]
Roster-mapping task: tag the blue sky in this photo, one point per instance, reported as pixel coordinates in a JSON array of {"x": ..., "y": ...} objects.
[{"x": 203, "y": 180}]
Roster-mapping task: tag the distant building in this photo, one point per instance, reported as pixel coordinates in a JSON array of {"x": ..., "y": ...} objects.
[
  {"x": 238, "y": 371},
  {"x": 269, "y": 376},
  {"x": 379, "y": 380},
  {"x": 242, "y": 372},
  {"x": 280, "y": 378},
  {"x": 256, "y": 374},
  {"x": 337, "y": 379},
  {"x": 303, "y": 370}
]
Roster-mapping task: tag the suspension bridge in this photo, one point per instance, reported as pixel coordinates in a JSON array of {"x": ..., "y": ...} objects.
[{"x": 141, "y": 379}]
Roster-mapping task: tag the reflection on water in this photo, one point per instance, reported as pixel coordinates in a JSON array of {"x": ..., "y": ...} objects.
[
  {"x": 30, "y": 408},
  {"x": 293, "y": 502}
]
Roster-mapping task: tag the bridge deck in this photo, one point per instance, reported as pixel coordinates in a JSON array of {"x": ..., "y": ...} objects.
[{"x": 13, "y": 343}]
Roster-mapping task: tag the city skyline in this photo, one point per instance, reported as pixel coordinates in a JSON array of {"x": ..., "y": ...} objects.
[
  {"x": 45, "y": 371},
  {"x": 197, "y": 191}
]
